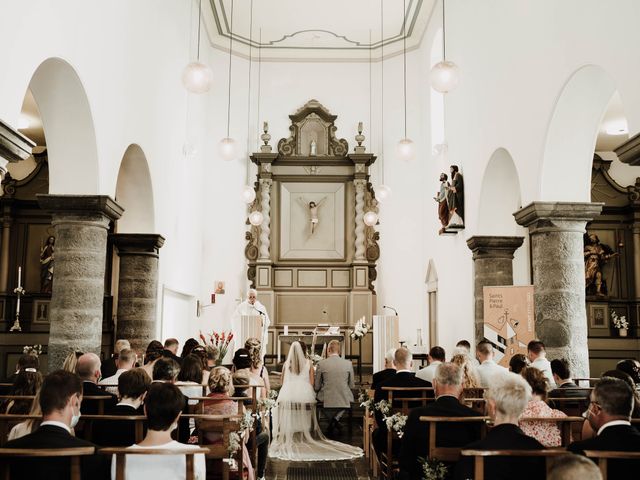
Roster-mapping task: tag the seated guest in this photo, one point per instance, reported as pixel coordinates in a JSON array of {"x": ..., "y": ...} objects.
[
  {"x": 26, "y": 360},
  {"x": 162, "y": 407},
  {"x": 132, "y": 385},
  {"x": 242, "y": 363},
  {"x": 171, "y": 349},
  {"x": 448, "y": 388},
  {"x": 151, "y": 356},
  {"x": 125, "y": 361},
  {"x": 189, "y": 379},
  {"x": 188, "y": 347},
  {"x": 470, "y": 378},
  {"x": 435, "y": 358},
  {"x": 518, "y": 362},
  {"x": 257, "y": 363},
  {"x": 88, "y": 369},
  {"x": 488, "y": 368},
  {"x": 566, "y": 388},
  {"x": 27, "y": 383},
  {"x": 537, "y": 355},
  {"x": 109, "y": 366},
  {"x": 333, "y": 382},
  {"x": 201, "y": 352},
  {"x": 573, "y": 467},
  {"x": 464, "y": 347},
  {"x": 630, "y": 367},
  {"x": 29, "y": 425},
  {"x": 60, "y": 399},
  {"x": 609, "y": 414},
  {"x": 404, "y": 377},
  {"x": 212, "y": 356},
  {"x": 546, "y": 433},
  {"x": 389, "y": 370},
  {"x": 506, "y": 399},
  {"x": 71, "y": 361},
  {"x": 166, "y": 370}
]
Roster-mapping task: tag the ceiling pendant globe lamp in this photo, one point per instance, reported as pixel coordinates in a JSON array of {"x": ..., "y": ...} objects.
[
  {"x": 228, "y": 149},
  {"x": 256, "y": 218},
  {"x": 248, "y": 194},
  {"x": 370, "y": 218},
  {"x": 383, "y": 192},
  {"x": 197, "y": 77},
  {"x": 444, "y": 76},
  {"x": 406, "y": 150}
]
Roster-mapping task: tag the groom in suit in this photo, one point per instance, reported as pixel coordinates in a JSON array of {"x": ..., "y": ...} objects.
[{"x": 333, "y": 384}]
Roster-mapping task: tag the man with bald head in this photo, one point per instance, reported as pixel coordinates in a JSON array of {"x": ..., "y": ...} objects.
[{"x": 88, "y": 369}]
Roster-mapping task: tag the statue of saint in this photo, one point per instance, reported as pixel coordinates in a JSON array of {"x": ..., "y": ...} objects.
[
  {"x": 46, "y": 265},
  {"x": 596, "y": 254},
  {"x": 313, "y": 148},
  {"x": 313, "y": 211},
  {"x": 441, "y": 198},
  {"x": 455, "y": 198}
]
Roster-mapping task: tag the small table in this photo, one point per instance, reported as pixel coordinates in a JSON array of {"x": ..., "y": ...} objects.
[{"x": 308, "y": 340}]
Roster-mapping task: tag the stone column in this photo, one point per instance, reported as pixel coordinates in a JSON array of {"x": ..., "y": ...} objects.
[
  {"x": 557, "y": 230},
  {"x": 81, "y": 223},
  {"x": 492, "y": 266},
  {"x": 137, "y": 287}
]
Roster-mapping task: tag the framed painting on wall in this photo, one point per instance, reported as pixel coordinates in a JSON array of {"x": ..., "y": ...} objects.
[{"x": 599, "y": 315}]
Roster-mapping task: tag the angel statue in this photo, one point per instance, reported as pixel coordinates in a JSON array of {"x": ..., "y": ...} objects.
[
  {"x": 313, "y": 211},
  {"x": 596, "y": 254}
]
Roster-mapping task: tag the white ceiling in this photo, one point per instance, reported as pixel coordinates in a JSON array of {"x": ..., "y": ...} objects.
[{"x": 343, "y": 30}]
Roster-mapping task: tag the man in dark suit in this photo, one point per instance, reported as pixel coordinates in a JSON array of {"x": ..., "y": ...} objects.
[
  {"x": 88, "y": 369},
  {"x": 415, "y": 441},
  {"x": 60, "y": 399},
  {"x": 404, "y": 377},
  {"x": 562, "y": 377},
  {"x": 388, "y": 372},
  {"x": 132, "y": 386},
  {"x": 506, "y": 399},
  {"x": 109, "y": 367},
  {"x": 608, "y": 414},
  {"x": 171, "y": 350}
]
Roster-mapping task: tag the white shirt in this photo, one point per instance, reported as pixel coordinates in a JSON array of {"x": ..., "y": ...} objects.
[
  {"x": 112, "y": 380},
  {"x": 156, "y": 467},
  {"x": 487, "y": 370},
  {"x": 611, "y": 424},
  {"x": 428, "y": 372},
  {"x": 544, "y": 366}
]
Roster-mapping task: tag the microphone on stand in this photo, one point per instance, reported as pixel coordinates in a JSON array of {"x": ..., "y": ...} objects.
[
  {"x": 261, "y": 313},
  {"x": 391, "y": 308}
]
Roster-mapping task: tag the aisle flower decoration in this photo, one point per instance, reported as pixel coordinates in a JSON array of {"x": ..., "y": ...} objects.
[
  {"x": 360, "y": 330},
  {"x": 619, "y": 322},
  {"x": 267, "y": 404},
  {"x": 32, "y": 350},
  {"x": 396, "y": 422},
  {"x": 365, "y": 400},
  {"x": 433, "y": 469}
]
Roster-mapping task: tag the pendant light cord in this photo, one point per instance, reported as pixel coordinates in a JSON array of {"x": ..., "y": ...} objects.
[
  {"x": 444, "y": 35},
  {"x": 404, "y": 61},
  {"x": 229, "y": 91},
  {"x": 382, "y": 89},
  {"x": 259, "y": 87},
  {"x": 370, "y": 94},
  {"x": 199, "y": 22},
  {"x": 249, "y": 93}
]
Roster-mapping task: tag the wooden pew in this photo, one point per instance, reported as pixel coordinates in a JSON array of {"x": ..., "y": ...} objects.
[
  {"x": 121, "y": 455},
  {"x": 480, "y": 455},
  {"x": 603, "y": 457},
  {"x": 449, "y": 454},
  {"x": 563, "y": 423},
  {"x": 74, "y": 455},
  {"x": 224, "y": 425}
]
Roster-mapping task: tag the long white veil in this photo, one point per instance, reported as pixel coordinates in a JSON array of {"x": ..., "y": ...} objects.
[{"x": 296, "y": 433}]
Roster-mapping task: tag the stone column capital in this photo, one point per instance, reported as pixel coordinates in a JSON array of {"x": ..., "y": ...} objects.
[
  {"x": 80, "y": 205},
  {"x": 138, "y": 243},
  {"x": 557, "y": 216},
  {"x": 494, "y": 246}
]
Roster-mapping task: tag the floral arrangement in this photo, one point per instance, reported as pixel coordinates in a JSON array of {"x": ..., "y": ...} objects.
[
  {"x": 360, "y": 330},
  {"x": 365, "y": 400},
  {"x": 220, "y": 341},
  {"x": 383, "y": 407},
  {"x": 234, "y": 444},
  {"x": 32, "y": 350},
  {"x": 267, "y": 404},
  {"x": 433, "y": 469},
  {"x": 619, "y": 322},
  {"x": 396, "y": 422},
  {"x": 315, "y": 358}
]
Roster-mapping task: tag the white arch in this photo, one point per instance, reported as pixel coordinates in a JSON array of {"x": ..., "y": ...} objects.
[
  {"x": 134, "y": 193},
  {"x": 572, "y": 134},
  {"x": 499, "y": 196},
  {"x": 68, "y": 125}
]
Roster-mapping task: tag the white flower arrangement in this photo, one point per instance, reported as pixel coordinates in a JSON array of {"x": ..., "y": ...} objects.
[
  {"x": 32, "y": 350},
  {"x": 315, "y": 358},
  {"x": 360, "y": 330},
  {"x": 396, "y": 422},
  {"x": 433, "y": 469},
  {"x": 248, "y": 418},
  {"x": 267, "y": 404},
  {"x": 383, "y": 407},
  {"x": 234, "y": 443},
  {"x": 619, "y": 322},
  {"x": 365, "y": 400}
]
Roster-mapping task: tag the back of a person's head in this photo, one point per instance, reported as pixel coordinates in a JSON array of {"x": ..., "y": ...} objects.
[
  {"x": 255, "y": 349},
  {"x": 560, "y": 367},
  {"x": 242, "y": 359},
  {"x": 240, "y": 380},
  {"x": 28, "y": 360},
  {"x": 484, "y": 348},
  {"x": 334, "y": 346},
  {"x": 535, "y": 346},
  {"x": 536, "y": 380},
  {"x": 221, "y": 381},
  {"x": 162, "y": 406},
  {"x": 171, "y": 342},
  {"x": 88, "y": 364},
  {"x": 614, "y": 396},
  {"x": 629, "y": 367},
  {"x": 437, "y": 353},
  {"x": 120, "y": 345},
  {"x": 510, "y": 393},
  {"x": 154, "y": 345},
  {"x": 71, "y": 361},
  {"x": 166, "y": 369},
  {"x": 133, "y": 383},
  {"x": 402, "y": 358},
  {"x": 126, "y": 356},
  {"x": 188, "y": 347},
  {"x": 448, "y": 375},
  {"x": 574, "y": 467},
  {"x": 464, "y": 344},
  {"x": 191, "y": 369},
  {"x": 518, "y": 362},
  {"x": 57, "y": 388},
  {"x": 620, "y": 375},
  {"x": 28, "y": 382},
  {"x": 388, "y": 357}
]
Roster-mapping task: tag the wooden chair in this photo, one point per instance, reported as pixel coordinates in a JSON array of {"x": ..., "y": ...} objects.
[
  {"x": 602, "y": 457},
  {"x": 74, "y": 455},
  {"x": 563, "y": 423},
  {"x": 121, "y": 456},
  {"x": 480, "y": 455},
  {"x": 449, "y": 454}
]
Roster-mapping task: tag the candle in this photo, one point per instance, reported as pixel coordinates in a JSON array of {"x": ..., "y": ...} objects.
[
  {"x": 19, "y": 275},
  {"x": 286, "y": 329}
]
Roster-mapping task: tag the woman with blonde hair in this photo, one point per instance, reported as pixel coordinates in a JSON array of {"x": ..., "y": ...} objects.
[
  {"x": 29, "y": 425},
  {"x": 257, "y": 365},
  {"x": 470, "y": 377},
  {"x": 71, "y": 361}
]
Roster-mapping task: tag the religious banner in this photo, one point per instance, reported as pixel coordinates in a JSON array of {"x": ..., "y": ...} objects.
[{"x": 509, "y": 322}]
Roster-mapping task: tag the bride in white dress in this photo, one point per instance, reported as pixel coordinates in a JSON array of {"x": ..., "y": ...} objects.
[{"x": 296, "y": 433}]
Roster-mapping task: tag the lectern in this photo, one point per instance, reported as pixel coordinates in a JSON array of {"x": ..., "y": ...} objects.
[
  {"x": 250, "y": 326},
  {"x": 385, "y": 337}
]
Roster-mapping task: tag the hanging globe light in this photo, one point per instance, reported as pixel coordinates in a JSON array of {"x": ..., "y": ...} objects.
[
  {"x": 228, "y": 149},
  {"x": 248, "y": 194},
  {"x": 406, "y": 149},
  {"x": 444, "y": 76},
  {"x": 256, "y": 218},
  {"x": 383, "y": 192},
  {"x": 370, "y": 218},
  {"x": 197, "y": 77}
]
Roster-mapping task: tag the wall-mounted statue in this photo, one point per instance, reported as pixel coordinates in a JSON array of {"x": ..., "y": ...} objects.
[
  {"x": 596, "y": 254},
  {"x": 313, "y": 211},
  {"x": 46, "y": 265},
  {"x": 455, "y": 198},
  {"x": 441, "y": 198}
]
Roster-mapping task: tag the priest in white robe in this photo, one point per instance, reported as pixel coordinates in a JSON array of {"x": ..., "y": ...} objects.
[{"x": 251, "y": 306}]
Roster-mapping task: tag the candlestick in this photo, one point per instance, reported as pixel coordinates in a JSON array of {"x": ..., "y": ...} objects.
[{"x": 19, "y": 276}]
